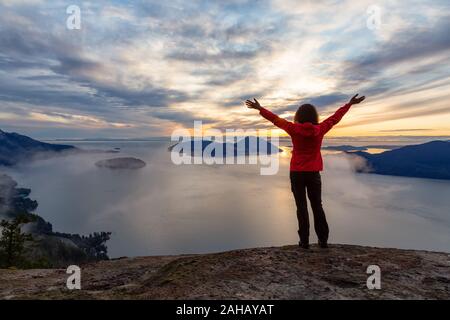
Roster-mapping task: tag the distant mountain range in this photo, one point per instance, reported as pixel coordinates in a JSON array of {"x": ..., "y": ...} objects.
[
  {"x": 344, "y": 147},
  {"x": 347, "y": 147},
  {"x": 15, "y": 148},
  {"x": 428, "y": 160}
]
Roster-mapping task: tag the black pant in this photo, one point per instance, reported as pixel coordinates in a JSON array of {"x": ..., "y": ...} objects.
[{"x": 310, "y": 183}]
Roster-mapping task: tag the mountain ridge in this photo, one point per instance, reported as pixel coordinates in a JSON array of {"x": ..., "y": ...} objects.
[
  {"x": 15, "y": 148},
  {"x": 427, "y": 160}
]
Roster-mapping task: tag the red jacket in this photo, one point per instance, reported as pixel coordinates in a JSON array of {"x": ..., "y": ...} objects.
[{"x": 306, "y": 138}]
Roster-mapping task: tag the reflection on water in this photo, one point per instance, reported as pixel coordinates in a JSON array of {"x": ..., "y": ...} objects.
[
  {"x": 169, "y": 209},
  {"x": 376, "y": 150}
]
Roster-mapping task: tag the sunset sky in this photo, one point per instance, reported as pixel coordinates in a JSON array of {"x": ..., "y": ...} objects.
[{"x": 145, "y": 68}]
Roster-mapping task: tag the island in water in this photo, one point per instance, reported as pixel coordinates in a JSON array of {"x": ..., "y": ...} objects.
[
  {"x": 121, "y": 163},
  {"x": 244, "y": 146}
]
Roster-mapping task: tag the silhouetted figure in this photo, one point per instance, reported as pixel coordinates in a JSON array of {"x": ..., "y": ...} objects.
[{"x": 306, "y": 163}]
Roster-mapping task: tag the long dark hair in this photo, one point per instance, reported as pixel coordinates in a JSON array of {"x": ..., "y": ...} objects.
[{"x": 306, "y": 113}]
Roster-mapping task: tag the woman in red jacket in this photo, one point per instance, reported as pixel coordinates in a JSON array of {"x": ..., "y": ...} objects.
[{"x": 306, "y": 163}]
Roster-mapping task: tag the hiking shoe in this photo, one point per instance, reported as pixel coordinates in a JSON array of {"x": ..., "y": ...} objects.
[
  {"x": 323, "y": 244},
  {"x": 303, "y": 245}
]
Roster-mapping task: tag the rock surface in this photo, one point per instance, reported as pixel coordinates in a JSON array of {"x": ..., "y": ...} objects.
[
  {"x": 121, "y": 163},
  {"x": 261, "y": 273}
]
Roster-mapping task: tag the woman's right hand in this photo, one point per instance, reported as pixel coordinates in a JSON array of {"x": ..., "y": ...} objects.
[
  {"x": 356, "y": 100},
  {"x": 253, "y": 105}
]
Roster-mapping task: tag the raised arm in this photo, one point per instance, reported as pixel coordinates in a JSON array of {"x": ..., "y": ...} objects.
[
  {"x": 305, "y": 129},
  {"x": 331, "y": 121},
  {"x": 276, "y": 120}
]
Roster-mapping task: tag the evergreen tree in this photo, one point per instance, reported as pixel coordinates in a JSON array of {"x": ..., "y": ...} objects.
[{"x": 12, "y": 241}]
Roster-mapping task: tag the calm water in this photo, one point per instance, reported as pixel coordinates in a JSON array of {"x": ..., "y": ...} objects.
[{"x": 169, "y": 209}]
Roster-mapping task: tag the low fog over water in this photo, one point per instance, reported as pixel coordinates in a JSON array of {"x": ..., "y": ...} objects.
[{"x": 168, "y": 209}]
